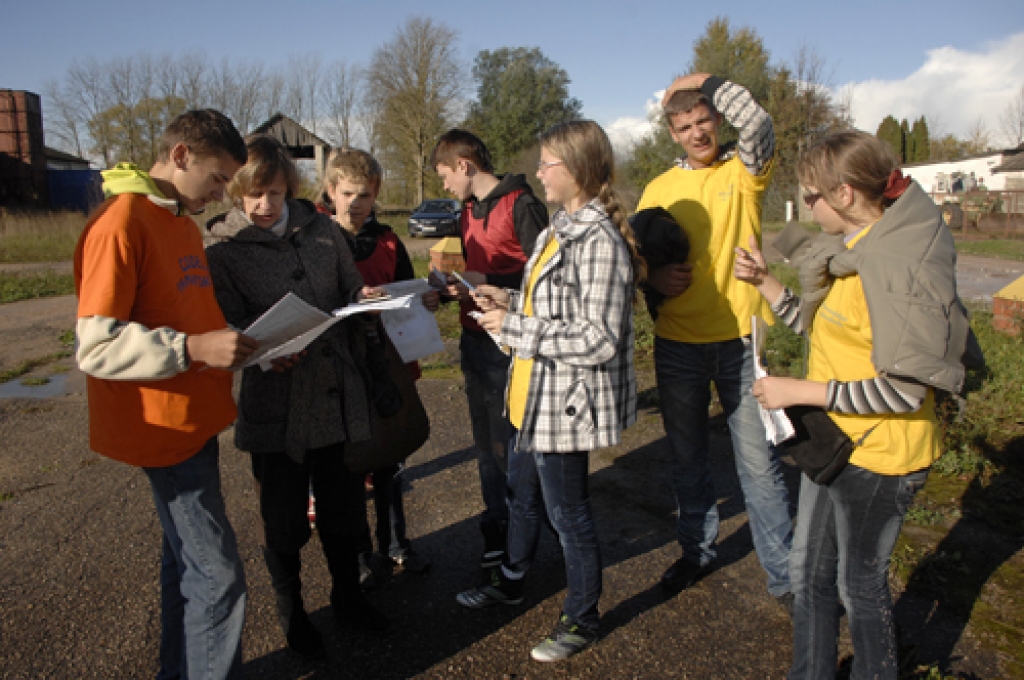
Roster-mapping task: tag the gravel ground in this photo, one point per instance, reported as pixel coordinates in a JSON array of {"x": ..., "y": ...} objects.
[{"x": 80, "y": 542}]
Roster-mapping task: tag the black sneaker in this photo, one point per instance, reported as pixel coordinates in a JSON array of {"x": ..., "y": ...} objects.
[
  {"x": 566, "y": 639},
  {"x": 684, "y": 574},
  {"x": 498, "y": 590},
  {"x": 495, "y": 534}
]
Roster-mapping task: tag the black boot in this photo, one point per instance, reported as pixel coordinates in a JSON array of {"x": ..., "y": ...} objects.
[
  {"x": 351, "y": 608},
  {"x": 303, "y": 638}
]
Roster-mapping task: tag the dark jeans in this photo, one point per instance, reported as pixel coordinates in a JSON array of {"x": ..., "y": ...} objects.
[
  {"x": 284, "y": 497},
  {"x": 685, "y": 372},
  {"x": 389, "y": 510},
  {"x": 558, "y": 482},
  {"x": 485, "y": 368},
  {"x": 845, "y": 534}
]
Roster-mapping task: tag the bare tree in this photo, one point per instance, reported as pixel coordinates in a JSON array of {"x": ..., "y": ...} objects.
[
  {"x": 194, "y": 79},
  {"x": 1011, "y": 121},
  {"x": 342, "y": 85},
  {"x": 304, "y": 76},
  {"x": 415, "y": 81},
  {"x": 63, "y": 119},
  {"x": 246, "y": 106},
  {"x": 272, "y": 96},
  {"x": 978, "y": 137},
  {"x": 86, "y": 89}
]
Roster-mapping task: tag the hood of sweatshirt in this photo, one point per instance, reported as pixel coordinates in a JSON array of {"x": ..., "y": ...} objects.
[
  {"x": 127, "y": 178},
  {"x": 506, "y": 185}
]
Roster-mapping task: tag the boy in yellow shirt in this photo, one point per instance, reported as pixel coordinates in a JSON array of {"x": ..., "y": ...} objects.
[{"x": 714, "y": 192}]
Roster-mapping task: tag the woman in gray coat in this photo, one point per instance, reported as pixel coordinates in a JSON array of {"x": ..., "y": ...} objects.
[{"x": 296, "y": 418}]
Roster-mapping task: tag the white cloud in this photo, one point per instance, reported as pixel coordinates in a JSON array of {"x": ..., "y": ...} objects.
[
  {"x": 624, "y": 131},
  {"x": 955, "y": 88}
]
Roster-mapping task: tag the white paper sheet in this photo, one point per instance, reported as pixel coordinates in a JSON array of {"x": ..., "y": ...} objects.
[
  {"x": 413, "y": 330},
  {"x": 291, "y": 324},
  {"x": 777, "y": 427}
]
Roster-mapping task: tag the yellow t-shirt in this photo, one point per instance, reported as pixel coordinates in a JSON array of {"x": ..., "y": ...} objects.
[
  {"x": 719, "y": 208},
  {"x": 519, "y": 385},
  {"x": 841, "y": 350}
]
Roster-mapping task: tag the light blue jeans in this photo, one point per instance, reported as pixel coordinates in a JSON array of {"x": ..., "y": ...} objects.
[
  {"x": 845, "y": 535},
  {"x": 684, "y": 373},
  {"x": 201, "y": 577}
]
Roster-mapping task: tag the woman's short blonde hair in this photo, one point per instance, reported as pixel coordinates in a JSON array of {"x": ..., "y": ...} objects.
[{"x": 268, "y": 158}]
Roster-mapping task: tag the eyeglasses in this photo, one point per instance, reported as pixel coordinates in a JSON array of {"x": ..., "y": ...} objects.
[
  {"x": 543, "y": 166},
  {"x": 811, "y": 199}
]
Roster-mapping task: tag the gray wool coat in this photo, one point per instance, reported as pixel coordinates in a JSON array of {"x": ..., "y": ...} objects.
[{"x": 324, "y": 399}]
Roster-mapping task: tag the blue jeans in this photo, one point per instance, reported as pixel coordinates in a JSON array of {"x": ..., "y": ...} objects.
[
  {"x": 558, "y": 482},
  {"x": 201, "y": 577},
  {"x": 845, "y": 534},
  {"x": 486, "y": 370},
  {"x": 684, "y": 373}
]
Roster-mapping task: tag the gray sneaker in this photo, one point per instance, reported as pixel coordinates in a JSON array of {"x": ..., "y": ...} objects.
[
  {"x": 566, "y": 639},
  {"x": 497, "y": 590}
]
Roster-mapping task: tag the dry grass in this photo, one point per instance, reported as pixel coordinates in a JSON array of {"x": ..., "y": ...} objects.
[{"x": 39, "y": 236}]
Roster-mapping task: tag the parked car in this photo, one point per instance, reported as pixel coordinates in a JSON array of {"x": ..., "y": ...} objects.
[{"x": 435, "y": 217}]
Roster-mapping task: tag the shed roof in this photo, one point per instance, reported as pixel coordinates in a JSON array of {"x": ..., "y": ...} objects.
[
  {"x": 1014, "y": 163},
  {"x": 57, "y": 155},
  {"x": 293, "y": 135}
]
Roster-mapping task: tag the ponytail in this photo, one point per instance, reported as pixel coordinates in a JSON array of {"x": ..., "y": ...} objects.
[{"x": 606, "y": 196}]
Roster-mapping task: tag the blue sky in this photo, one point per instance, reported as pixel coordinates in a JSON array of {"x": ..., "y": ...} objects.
[{"x": 957, "y": 61}]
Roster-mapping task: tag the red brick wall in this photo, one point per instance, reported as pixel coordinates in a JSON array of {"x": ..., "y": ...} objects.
[{"x": 1007, "y": 315}]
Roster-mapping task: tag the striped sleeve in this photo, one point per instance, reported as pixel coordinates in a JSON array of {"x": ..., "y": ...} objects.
[
  {"x": 881, "y": 394},
  {"x": 787, "y": 310},
  {"x": 756, "y": 144}
]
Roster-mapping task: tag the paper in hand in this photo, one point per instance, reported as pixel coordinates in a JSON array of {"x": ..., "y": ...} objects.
[{"x": 777, "y": 427}]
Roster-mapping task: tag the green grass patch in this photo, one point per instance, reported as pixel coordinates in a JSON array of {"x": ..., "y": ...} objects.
[
  {"x": 4, "y": 497},
  {"x": 16, "y": 287},
  {"x": 35, "y": 381},
  {"x": 30, "y": 365},
  {"x": 67, "y": 337},
  {"x": 39, "y": 236},
  {"x": 1003, "y": 249}
]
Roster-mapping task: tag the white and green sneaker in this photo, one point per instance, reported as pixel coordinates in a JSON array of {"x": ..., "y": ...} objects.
[{"x": 566, "y": 639}]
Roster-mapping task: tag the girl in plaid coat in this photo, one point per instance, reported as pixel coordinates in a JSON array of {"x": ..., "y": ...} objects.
[{"x": 572, "y": 387}]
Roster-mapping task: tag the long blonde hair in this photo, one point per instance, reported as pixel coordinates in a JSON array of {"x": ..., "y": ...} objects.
[{"x": 587, "y": 154}]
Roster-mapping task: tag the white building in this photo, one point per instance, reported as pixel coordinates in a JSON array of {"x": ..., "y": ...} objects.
[{"x": 940, "y": 176}]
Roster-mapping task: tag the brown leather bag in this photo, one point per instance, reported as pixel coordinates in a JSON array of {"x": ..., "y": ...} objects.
[{"x": 393, "y": 439}]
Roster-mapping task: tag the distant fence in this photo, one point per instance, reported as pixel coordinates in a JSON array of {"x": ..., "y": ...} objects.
[{"x": 990, "y": 213}]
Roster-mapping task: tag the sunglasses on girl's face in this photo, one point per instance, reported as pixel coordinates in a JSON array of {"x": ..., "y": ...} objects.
[{"x": 811, "y": 199}]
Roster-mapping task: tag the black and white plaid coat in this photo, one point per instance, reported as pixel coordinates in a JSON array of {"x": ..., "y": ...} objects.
[{"x": 583, "y": 387}]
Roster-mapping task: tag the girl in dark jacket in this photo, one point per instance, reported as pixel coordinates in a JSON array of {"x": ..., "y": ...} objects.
[{"x": 295, "y": 419}]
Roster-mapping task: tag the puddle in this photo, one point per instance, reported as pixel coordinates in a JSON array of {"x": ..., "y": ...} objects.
[{"x": 13, "y": 389}]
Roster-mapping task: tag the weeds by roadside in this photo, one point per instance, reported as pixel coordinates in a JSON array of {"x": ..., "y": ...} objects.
[
  {"x": 39, "y": 236},
  {"x": 17, "y": 287},
  {"x": 1003, "y": 249}
]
